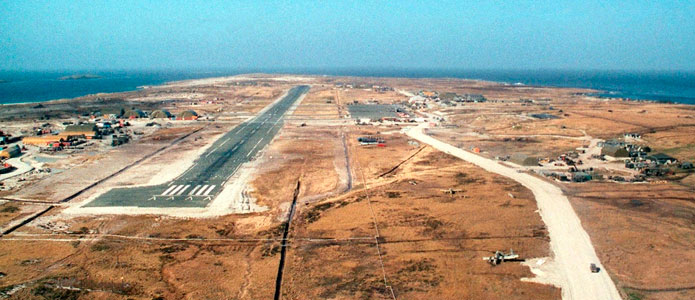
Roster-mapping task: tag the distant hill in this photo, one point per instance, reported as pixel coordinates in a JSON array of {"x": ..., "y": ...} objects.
[{"x": 79, "y": 76}]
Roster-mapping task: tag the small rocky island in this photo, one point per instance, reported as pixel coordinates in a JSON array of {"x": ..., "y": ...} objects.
[{"x": 79, "y": 76}]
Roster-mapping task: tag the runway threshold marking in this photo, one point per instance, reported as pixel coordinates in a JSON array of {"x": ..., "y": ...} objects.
[
  {"x": 169, "y": 190},
  {"x": 195, "y": 189},
  {"x": 183, "y": 190},
  {"x": 174, "y": 191},
  {"x": 200, "y": 192},
  {"x": 209, "y": 190}
]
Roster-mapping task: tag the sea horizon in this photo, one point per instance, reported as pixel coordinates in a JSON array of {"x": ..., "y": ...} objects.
[{"x": 21, "y": 87}]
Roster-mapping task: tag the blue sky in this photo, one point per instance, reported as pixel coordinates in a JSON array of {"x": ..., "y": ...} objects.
[{"x": 99, "y": 35}]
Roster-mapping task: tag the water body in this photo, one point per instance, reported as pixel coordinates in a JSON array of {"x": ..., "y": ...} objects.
[
  {"x": 674, "y": 86},
  {"x": 21, "y": 87},
  {"x": 671, "y": 86}
]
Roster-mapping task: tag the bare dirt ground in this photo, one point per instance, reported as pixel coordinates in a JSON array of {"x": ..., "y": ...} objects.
[
  {"x": 430, "y": 242},
  {"x": 635, "y": 229}
]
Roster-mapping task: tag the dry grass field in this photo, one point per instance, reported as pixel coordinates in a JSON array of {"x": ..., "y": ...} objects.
[{"x": 370, "y": 222}]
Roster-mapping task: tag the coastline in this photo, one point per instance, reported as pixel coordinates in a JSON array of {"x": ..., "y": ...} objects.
[{"x": 597, "y": 93}]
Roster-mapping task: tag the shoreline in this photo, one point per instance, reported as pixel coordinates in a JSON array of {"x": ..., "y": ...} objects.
[{"x": 601, "y": 94}]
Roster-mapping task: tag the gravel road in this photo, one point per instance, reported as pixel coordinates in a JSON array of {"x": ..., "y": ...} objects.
[{"x": 569, "y": 242}]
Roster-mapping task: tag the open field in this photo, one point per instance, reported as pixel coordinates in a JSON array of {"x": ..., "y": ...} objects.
[{"x": 312, "y": 211}]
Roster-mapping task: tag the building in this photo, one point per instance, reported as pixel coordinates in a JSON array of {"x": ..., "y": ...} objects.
[
  {"x": 10, "y": 152},
  {"x": 662, "y": 159},
  {"x": 188, "y": 115},
  {"x": 614, "y": 151},
  {"x": 112, "y": 113},
  {"x": 160, "y": 114},
  {"x": 473, "y": 98},
  {"x": 581, "y": 177},
  {"x": 370, "y": 140},
  {"x": 133, "y": 114},
  {"x": 429, "y": 94},
  {"x": 41, "y": 140},
  {"x": 524, "y": 160},
  {"x": 89, "y": 131},
  {"x": 448, "y": 96}
]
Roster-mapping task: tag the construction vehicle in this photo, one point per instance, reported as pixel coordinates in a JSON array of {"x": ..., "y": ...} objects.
[{"x": 500, "y": 257}]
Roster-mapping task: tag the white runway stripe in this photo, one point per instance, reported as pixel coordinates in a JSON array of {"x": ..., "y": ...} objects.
[
  {"x": 195, "y": 189},
  {"x": 209, "y": 190},
  {"x": 183, "y": 189},
  {"x": 169, "y": 189},
  {"x": 200, "y": 192},
  {"x": 173, "y": 192}
]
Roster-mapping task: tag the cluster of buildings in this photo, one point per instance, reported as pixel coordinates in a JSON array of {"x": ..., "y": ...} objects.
[
  {"x": 132, "y": 113},
  {"x": 373, "y": 87},
  {"x": 574, "y": 175},
  {"x": 75, "y": 135},
  {"x": 451, "y": 97},
  {"x": 71, "y": 137},
  {"x": 423, "y": 97},
  {"x": 7, "y": 151},
  {"x": 640, "y": 158}
]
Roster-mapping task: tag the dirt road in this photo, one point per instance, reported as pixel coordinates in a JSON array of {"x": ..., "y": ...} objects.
[
  {"x": 21, "y": 166},
  {"x": 569, "y": 242}
]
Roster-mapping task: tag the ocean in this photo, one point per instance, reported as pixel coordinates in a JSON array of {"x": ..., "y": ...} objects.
[
  {"x": 678, "y": 87},
  {"x": 22, "y": 87}
]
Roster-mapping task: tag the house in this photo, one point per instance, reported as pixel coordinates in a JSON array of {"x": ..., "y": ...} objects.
[
  {"x": 614, "y": 151},
  {"x": 524, "y": 160},
  {"x": 10, "y": 152},
  {"x": 686, "y": 165},
  {"x": 661, "y": 158}
]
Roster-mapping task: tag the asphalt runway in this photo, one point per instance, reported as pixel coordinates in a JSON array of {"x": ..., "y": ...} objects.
[{"x": 198, "y": 185}]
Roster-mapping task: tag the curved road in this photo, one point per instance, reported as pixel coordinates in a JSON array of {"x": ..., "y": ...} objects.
[
  {"x": 569, "y": 242},
  {"x": 21, "y": 166}
]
